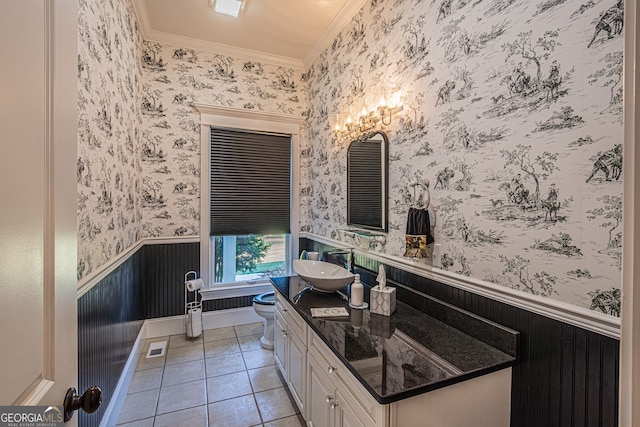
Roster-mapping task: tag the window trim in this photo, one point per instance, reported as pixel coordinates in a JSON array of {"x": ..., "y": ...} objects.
[
  {"x": 250, "y": 120},
  {"x": 235, "y": 290}
]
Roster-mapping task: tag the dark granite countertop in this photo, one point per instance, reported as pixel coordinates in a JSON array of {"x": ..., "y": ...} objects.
[{"x": 409, "y": 353}]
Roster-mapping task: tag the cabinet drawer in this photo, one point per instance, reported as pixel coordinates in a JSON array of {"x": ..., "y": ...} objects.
[
  {"x": 295, "y": 323},
  {"x": 370, "y": 410},
  {"x": 280, "y": 304}
]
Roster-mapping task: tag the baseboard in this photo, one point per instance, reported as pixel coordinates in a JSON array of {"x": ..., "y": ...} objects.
[
  {"x": 165, "y": 326},
  {"x": 110, "y": 417},
  {"x": 174, "y": 325}
]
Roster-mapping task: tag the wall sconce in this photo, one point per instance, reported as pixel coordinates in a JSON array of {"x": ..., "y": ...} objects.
[{"x": 352, "y": 129}]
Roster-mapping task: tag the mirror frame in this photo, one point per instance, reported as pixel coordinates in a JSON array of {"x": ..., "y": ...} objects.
[{"x": 381, "y": 137}]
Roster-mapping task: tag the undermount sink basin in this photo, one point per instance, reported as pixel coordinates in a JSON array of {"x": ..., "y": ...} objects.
[{"x": 323, "y": 276}]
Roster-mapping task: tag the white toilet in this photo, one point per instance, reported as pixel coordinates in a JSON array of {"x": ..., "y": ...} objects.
[{"x": 264, "y": 305}]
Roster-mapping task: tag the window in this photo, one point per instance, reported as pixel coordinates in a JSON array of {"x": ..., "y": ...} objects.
[
  {"x": 252, "y": 122},
  {"x": 250, "y": 205}
]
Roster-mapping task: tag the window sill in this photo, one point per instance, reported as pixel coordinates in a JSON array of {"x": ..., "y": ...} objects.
[{"x": 235, "y": 290}]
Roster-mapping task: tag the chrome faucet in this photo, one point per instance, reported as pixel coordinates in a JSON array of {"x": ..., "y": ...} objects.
[
  {"x": 304, "y": 254},
  {"x": 348, "y": 262}
]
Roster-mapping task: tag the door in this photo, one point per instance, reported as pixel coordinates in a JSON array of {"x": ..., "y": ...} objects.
[
  {"x": 346, "y": 416},
  {"x": 320, "y": 395},
  {"x": 279, "y": 343},
  {"x": 630, "y": 330},
  {"x": 296, "y": 366},
  {"x": 38, "y": 131}
]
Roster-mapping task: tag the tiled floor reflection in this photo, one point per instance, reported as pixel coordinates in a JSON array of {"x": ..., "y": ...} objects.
[{"x": 224, "y": 378}]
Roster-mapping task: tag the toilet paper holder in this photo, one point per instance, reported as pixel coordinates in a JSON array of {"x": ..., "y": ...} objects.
[{"x": 192, "y": 307}]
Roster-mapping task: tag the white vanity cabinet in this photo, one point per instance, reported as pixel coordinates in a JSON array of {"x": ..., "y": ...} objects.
[
  {"x": 290, "y": 350},
  {"x": 320, "y": 394},
  {"x": 349, "y": 403},
  {"x": 327, "y": 405},
  {"x": 329, "y": 395},
  {"x": 318, "y": 381},
  {"x": 331, "y": 404}
]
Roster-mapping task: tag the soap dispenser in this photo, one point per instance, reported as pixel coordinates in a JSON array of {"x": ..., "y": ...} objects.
[{"x": 357, "y": 293}]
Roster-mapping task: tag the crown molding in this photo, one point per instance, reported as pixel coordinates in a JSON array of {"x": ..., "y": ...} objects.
[
  {"x": 248, "y": 114},
  {"x": 223, "y": 49},
  {"x": 151, "y": 35},
  {"x": 343, "y": 17}
]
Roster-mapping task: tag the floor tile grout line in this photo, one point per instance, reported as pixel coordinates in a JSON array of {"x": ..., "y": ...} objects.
[
  {"x": 164, "y": 365},
  {"x": 174, "y": 411},
  {"x": 206, "y": 382},
  {"x": 258, "y": 408},
  {"x": 162, "y": 379},
  {"x": 178, "y": 410}
]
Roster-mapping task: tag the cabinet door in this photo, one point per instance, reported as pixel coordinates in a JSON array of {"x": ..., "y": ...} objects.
[
  {"x": 296, "y": 366},
  {"x": 280, "y": 344},
  {"x": 320, "y": 394},
  {"x": 345, "y": 416}
]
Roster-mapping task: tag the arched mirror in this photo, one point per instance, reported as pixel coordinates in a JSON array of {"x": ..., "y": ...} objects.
[{"x": 368, "y": 182}]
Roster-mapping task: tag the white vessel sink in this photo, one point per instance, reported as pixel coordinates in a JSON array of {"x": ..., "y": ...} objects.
[{"x": 323, "y": 276}]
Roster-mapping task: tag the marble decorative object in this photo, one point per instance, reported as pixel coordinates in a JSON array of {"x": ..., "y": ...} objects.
[
  {"x": 381, "y": 326},
  {"x": 382, "y": 300}
]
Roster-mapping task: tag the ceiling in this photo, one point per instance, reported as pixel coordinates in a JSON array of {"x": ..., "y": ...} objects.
[{"x": 291, "y": 32}]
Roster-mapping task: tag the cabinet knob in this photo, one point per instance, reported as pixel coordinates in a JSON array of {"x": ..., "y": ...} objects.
[
  {"x": 334, "y": 404},
  {"x": 331, "y": 369},
  {"x": 284, "y": 310},
  {"x": 329, "y": 398},
  {"x": 284, "y": 333}
]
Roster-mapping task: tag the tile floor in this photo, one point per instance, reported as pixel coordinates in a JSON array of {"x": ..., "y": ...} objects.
[{"x": 222, "y": 379}]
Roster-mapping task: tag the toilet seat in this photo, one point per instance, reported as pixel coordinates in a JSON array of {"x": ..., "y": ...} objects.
[{"x": 268, "y": 298}]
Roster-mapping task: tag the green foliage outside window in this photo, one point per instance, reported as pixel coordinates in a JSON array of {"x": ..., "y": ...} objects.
[{"x": 250, "y": 251}]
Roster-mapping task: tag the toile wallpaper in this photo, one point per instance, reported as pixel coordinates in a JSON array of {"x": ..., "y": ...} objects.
[
  {"x": 109, "y": 130},
  {"x": 173, "y": 79},
  {"x": 512, "y": 111}
]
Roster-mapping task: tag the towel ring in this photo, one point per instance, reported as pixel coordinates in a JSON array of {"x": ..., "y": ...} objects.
[{"x": 423, "y": 200}]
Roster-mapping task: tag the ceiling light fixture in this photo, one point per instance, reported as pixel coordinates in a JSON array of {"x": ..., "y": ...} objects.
[{"x": 227, "y": 7}]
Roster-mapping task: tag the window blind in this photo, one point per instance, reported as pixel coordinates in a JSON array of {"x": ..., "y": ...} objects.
[
  {"x": 250, "y": 183},
  {"x": 364, "y": 184}
]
